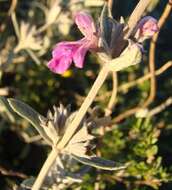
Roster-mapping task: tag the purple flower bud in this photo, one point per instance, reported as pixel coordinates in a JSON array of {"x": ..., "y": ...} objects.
[{"x": 146, "y": 28}]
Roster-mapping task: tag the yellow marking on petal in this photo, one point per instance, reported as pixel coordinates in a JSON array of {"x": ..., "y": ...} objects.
[{"x": 67, "y": 74}]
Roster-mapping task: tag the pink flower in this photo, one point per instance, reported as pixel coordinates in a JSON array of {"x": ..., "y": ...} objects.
[
  {"x": 67, "y": 52},
  {"x": 146, "y": 28}
]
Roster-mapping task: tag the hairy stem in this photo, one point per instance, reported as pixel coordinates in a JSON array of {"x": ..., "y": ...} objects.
[
  {"x": 45, "y": 169},
  {"x": 72, "y": 128},
  {"x": 84, "y": 107}
]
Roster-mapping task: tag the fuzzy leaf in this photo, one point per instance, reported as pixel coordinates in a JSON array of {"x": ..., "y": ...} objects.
[
  {"x": 81, "y": 136},
  {"x": 106, "y": 26},
  {"x": 7, "y": 108},
  {"x": 50, "y": 131},
  {"x": 112, "y": 35},
  {"x": 131, "y": 56},
  {"x": 100, "y": 163},
  {"x": 30, "y": 115},
  {"x": 79, "y": 142},
  {"x": 28, "y": 183}
]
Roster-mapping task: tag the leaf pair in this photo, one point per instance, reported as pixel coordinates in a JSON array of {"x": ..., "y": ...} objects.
[{"x": 77, "y": 146}]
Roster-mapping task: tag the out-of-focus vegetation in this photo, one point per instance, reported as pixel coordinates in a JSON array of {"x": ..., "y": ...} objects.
[{"x": 28, "y": 32}]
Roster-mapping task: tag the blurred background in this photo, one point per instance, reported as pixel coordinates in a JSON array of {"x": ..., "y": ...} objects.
[{"x": 28, "y": 32}]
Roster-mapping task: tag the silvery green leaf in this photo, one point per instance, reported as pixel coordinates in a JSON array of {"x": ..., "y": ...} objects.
[
  {"x": 132, "y": 55},
  {"x": 28, "y": 183},
  {"x": 30, "y": 115},
  {"x": 105, "y": 26},
  {"x": 61, "y": 116},
  {"x": 112, "y": 35},
  {"x": 56, "y": 122},
  {"x": 60, "y": 175},
  {"x": 50, "y": 130},
  {"x": 100, "y": 163},
  {"x": 58, "y": 178},
  {"x": 69, "y": 120},
  {"x": 7, "y": 108},
  {"x": 117, "y": 43},
  {"x": 82, "y": 135},
  {"x": 79, "y": 142},
  {"x": 78, "y": 149}
]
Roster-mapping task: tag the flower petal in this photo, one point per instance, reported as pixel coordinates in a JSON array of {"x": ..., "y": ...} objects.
[
  {"x": 85, "y": 24},
  {"x": 59, "y": 50},
  {"x": 79, "y": 56},
  {"x": 59, "y": 65},
  {"x": 66, "y": 48}
]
